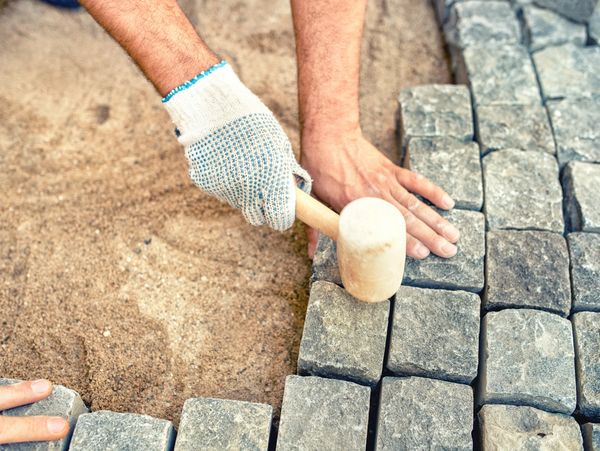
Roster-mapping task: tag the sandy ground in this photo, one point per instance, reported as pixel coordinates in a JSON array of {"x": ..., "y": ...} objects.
[{"x": 120, "y": 279}]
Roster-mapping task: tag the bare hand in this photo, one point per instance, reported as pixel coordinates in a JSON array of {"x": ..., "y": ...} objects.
[
  {"x": 345, "y": 166},
  {"x": 33, "y": 428}
]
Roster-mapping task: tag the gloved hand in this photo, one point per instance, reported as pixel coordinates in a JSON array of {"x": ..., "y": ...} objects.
[{"x": 236, "y": 149}]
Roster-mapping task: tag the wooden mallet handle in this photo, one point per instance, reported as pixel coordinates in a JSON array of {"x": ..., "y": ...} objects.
[{"x": 313, "y": 213}]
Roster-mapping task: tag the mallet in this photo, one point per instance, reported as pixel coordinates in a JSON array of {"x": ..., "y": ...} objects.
[{"x": 371, "y": 243}]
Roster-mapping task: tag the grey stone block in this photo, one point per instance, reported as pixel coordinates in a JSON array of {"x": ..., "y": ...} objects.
[
  {"x": 586, "y": 328},
  {"x": 441, "y": 160},
  {"x": 424, "y": 414},
  {"x": 522, "y": 191},
  {"x": 435, "y": 333},
  {"x": 568, "y": 71},
  {"x": 575, "y": 124},
  {"x": 318, "y": 413},
  {"x": 472, "y": 23},
  {"x": 523, "y": 127},
  {"x": 594, "y": 26},
  {"x": 332, "y": 345},
  {"x": 526, "y": 428},
  {"x": 527, "y": 358},
  {"x": 436, "y": 110},
  {"x": 581, "y": 184},
  {"x": 543, "y": 28},
  {"x": 578, "y": 10},
  {"x": 527, "y": 269},
  {"x": 584, "y": 249},
  {"x": 62, "y": 402},
  {"x": 325, "y": 264},
  {"x": 111, "y": 431},
  {"x": 223, "y": 424},
  {"x": 591, "y": 436},
  {"x": 502, "y": 75},
  {"x": 464, "y": 271}
]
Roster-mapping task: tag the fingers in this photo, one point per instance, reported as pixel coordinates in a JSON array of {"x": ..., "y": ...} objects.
[
  {"x": 24, "y": 393},
  {"x": 418, "y": 184},
  {"x": 32, "y": 429}
]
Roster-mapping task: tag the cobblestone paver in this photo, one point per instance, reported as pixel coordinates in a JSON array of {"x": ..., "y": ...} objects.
[
  {"x": 527, "y": 359},
  {"x": 527, "y": 269},
  {"x": 591, "y": 436},
  {"x": 586, "y": 327},
  {"x": 320, "y": 413},
  {"x": 584, "y": 249},
  {"x": 542, "y": 28},
  {"x": 505, "y": 427},
  {"x": 418, "y": 413},
  {"x": 325, "y": 266},
  {"x": 212, "y": 424},
  {"x": 577, "y": 10},
  {"x": 581, "y": 185}
]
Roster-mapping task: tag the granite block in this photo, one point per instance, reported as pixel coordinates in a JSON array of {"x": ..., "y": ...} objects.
[
  {"x": 594, "y": 26},
  {"x": 568, "y": 71},
  {"x": 575, "y": 124},
  {"x": 111, "y": 431},
  {"x": 586, "y": 329},
  {"x": 435, "y": 110},
  {"x": 591, "y": 436},
  {"x": 524, "y": 127},
  {"x": 223, "y": 424},
  {"x": 332, "y": 345},
  {"x": 577, "y": 10},
  {"x": 318, "y": 412},
  {"x": 435, "y": 333},
  {"x": 505, "y": 427},
  {"x": 441, "y": 160},
  {"x": 543, "y": 28},
  {"x": 416, "y": 413},
  {"x": 464, "y": 271},
  {"x": 325, "y": 264},
  {"x": 581, "y": 184},
  {"x": 584, "y": 250},
  {"x": 527, "y": 269},
  {"x": 522, "y": 191},
  {"x": 527, "y": 358}
]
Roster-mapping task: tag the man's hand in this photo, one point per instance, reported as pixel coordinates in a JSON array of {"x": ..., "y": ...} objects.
[{"x": 28, "y": 429}]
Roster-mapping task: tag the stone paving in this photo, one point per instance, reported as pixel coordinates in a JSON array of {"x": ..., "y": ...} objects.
[{"x": 497, "y": 348}]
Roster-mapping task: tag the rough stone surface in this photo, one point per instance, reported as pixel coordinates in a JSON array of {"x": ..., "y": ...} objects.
[
  {"x": 522, "y": 191},
  {"x": 475, "y": 22},
  {"x": 332, "y": 345},
  {"x": 526, "y": 428},
  {"x": 575, "y": 124},
  {"x": 441, "y": 160},
  {"x": 62, "y": 402},
  {"x": 111, "y": 431},
  {"x": 586, "y": 327},
  {"x": 594, "y": 26},
  {"x": 578, "y": 10},
  {"x": 568, "y": 71},
  {"x": 318, "y": 412},
  {"x": 436, "y": 110},
  {"x": 581, "y": 183},
  {"x": 591, "y": 436},
  {"x": 435, "y": 333},
  {"x": 464, "y": 271},
  {"x": 424, "y": 414},
  {"x": 524, "y": 127},
  {"x": 584, "y": 249},
  {"x": 527, "y": 269},
  {"x": 325, "y": 265},
  {"x": 504, "y": 76},
  {"x": 210, "y": 424},
  {"x": 543, "y": 28},
  {"x": 527, "y": 358}
]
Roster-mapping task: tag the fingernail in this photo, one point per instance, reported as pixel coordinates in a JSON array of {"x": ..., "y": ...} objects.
[
  {"x": 449, "y": 249},
  {"x": 40, "y": 386},
  {"x": 421, "y": 251},
  {"x": 452, "y": 233},
  {"x": 447, "y": 201},
  {"x": 55, "y": 425}
]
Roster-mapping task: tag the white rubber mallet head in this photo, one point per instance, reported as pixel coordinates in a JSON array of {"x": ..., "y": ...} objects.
[{"x": 371, "y": 243}]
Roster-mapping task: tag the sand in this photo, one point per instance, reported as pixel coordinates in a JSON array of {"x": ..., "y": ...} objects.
[{"x": 120, "y": 279}]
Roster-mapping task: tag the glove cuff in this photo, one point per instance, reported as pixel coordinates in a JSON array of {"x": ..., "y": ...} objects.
[{"x": 209, "y": 101}]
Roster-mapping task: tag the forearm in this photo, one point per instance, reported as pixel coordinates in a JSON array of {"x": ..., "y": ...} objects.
[
  {"x": 328, "y": 36},
  {"x": 158, "y": 37}
]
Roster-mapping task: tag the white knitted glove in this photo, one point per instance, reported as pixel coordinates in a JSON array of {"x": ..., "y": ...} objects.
[{"x": 236, "y": 149}]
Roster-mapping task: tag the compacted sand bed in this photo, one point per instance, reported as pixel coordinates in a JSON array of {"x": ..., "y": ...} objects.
[{"x": 120, "y": 279}]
